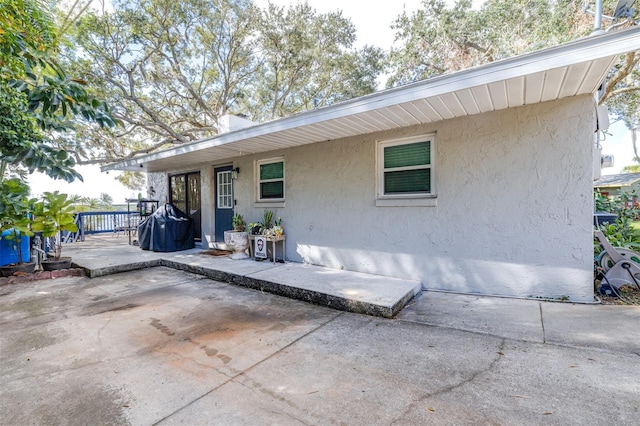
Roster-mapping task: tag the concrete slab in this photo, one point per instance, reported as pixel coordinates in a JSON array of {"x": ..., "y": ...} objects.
[
  {"x": 220, "y": 263},
  {"x": 343, "y": 290},
  {"x": 609, "y": 327},
  {"x": 160, "y": 346},
  {"x": 140, "y": 354},
  {"x": 354, "y": 370},
  {"x": 342, "y": 373},
  {"x": 510, "y": 318},
  {"x": 103, "y": 255}
]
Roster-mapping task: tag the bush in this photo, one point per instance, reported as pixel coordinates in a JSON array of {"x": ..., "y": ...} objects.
[{"x": 621, "y": 233}]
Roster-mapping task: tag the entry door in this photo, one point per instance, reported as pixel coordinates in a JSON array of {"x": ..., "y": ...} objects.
[
  {"x": 185, "y": 195},
  {"x": 224, "y": 201}
]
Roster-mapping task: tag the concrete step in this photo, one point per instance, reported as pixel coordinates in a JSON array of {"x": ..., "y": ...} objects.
[{"x": 338, "y": 289}]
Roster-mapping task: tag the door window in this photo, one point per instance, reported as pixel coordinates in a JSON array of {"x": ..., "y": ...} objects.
[
  {"x": 178, "y": 193},
  {"x": 225, "y": 190}
]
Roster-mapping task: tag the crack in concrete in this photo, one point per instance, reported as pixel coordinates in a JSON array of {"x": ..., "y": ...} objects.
[
  {"x": 544, "y": 334},
  {"x": 287, "y": 415},
  {"x": 453, "y": 387},
  {"x": 533, "y": 341},
  {"x": 103, "y": 327}
]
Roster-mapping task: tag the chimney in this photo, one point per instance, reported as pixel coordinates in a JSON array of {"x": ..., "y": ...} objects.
[{"x": 230, "y": 123}]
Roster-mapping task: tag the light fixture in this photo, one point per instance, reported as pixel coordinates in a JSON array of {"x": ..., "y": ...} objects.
[{"x": 235, "y": 172}]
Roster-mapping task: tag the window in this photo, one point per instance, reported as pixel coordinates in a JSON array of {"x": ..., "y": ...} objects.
[
  {"x": 184, "y": 193},
  {"x": 225, "y": 190},
  {"x": 406, "y": 168},
  {"x": 270, "y": 180}
]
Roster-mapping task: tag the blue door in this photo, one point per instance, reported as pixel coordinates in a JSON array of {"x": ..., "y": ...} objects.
[{"x": 224, "y": 201}]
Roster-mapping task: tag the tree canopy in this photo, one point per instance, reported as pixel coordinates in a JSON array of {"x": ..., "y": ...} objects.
[
  {"x": 440, "y": 38},
  {"x": 170, "y": 69},
  {"x": 38, "y": 101}
]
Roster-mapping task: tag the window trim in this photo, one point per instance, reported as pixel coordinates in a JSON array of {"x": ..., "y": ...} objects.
[
  {"x": 406, "y": 199},
  {"x": 258, "y": 163}
]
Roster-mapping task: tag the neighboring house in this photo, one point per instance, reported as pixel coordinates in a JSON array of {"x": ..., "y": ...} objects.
[
  {"x": 614, "y": 185},
  {"x": 475, "y": 182}
]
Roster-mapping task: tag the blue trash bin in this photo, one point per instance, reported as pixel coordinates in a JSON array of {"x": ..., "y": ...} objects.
[{"x": 8, "y": 253}]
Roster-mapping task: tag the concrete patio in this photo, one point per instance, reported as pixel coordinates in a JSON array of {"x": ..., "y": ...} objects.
[
  {"x": 163, "y": 346},
  {"x": 580, "y": 325},
  {"x": 349, "y": 291}
]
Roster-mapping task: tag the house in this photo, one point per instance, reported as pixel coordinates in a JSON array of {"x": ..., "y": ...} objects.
[
  {"x": 474, "y": 182},
  {"x": 615, "y": 185}
]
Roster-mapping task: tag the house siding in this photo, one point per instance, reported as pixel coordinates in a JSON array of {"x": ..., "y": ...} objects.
[{"x": 513, "y": 213}]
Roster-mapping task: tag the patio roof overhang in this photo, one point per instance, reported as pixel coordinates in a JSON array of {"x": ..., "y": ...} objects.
[{"x": 571, "y": 69}]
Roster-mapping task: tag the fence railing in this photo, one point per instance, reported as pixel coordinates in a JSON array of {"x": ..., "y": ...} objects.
[{"x": 96, "y": 223}]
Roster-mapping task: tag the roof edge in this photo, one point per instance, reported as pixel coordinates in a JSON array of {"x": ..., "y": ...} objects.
[{"x": 585, "y": 49}]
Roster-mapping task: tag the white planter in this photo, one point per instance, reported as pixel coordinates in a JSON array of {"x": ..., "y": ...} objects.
[{"x": 238, "y": 242}]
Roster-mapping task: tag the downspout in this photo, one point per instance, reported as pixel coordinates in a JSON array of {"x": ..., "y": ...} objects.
[{"x": 597, "y": 23}]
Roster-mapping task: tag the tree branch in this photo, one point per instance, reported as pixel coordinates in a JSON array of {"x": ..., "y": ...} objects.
[{"x": 631, "y": 60}]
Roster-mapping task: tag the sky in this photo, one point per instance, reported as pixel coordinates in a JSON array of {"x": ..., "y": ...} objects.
[{"x": 373, "y": 28}]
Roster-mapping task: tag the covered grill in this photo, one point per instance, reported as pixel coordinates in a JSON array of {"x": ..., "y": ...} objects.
[{"x": 167, "y": 229}]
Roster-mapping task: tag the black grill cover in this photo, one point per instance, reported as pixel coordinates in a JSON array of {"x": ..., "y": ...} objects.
[{"x": 166, "y": 229}]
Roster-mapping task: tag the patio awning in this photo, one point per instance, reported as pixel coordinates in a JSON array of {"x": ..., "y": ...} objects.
[{"x": 571, "y": 69}]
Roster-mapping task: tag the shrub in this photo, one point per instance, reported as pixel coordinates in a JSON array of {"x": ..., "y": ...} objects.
[{"x": 622, "y": 232}]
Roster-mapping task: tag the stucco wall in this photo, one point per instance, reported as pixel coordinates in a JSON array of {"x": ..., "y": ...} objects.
[
  {"x": 160, "y": 183},
  {"x": 513, "y": 214}
]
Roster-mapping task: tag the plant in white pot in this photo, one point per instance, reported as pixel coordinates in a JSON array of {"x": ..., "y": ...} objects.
[
  {"x": 237, "y": 239},
  {"x": 53, "y": 215}
]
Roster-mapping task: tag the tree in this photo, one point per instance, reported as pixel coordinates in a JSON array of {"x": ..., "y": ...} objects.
[
  {"x": 437, "y": 39},
  {"x": 39, "y": 101},
  {"x": 106, "y": 201},
  {"x": 91, "y": 204},
  {"x": 622, "y": 93},
  {"x": 133, "y": 180},
  {"x": 306, "y": 62},
  {"x": 633, "y": 168},
  {"x": 173, "y": 68}
]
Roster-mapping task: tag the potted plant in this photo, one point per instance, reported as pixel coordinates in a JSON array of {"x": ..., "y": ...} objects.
[
  {"x": 267, "y": 219},
  {"x": 277, "y": 229},
  {"x": 15, "y": 222},
  {"x": 237, "y": 239},
  {"x": 53, "y": 215},
  {"x": 267, "y": 226}
]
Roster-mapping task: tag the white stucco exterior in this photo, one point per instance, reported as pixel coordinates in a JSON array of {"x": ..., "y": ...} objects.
[
  {"x": 512, "y": 215},
  {"x": 513, "y": 153}
]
